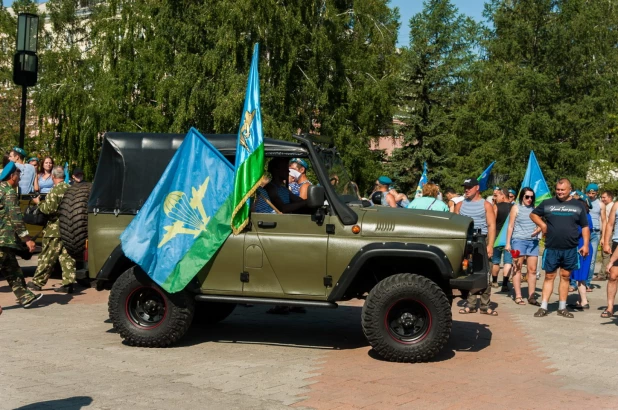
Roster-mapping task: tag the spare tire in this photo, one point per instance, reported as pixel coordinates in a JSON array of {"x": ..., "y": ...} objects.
[{"x": 73, "y": 219}]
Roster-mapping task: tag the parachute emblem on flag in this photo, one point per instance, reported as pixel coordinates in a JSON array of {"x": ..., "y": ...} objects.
[
  {"x": 189, "y": 215},
  {"x": 245, "y": 130}
]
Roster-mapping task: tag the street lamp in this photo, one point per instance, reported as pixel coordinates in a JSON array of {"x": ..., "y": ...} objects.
[{"x": 25, "y": 62}]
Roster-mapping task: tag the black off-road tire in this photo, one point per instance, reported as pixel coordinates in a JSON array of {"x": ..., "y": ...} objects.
[
  {"x": 73, "y": 219},
  {"x": 208, "y": 313},
  {"x": 132, "y": 295},
  {"x": 406, "y": 298}
]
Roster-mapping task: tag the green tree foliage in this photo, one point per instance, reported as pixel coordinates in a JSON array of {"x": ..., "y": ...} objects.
[
  {"x": 434, "y": 83},
  {"x": 548, "y": 84},
  {"x": 10, "y": 94},
  {"x": 326, "y": 67}
]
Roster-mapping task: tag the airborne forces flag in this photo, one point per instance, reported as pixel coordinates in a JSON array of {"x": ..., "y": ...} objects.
[{"x": 249, "y": 149}]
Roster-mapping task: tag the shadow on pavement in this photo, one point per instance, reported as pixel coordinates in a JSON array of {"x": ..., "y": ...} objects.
[
  {"x": 70, "y": 403},
  {"x": 316, "y": 329}
]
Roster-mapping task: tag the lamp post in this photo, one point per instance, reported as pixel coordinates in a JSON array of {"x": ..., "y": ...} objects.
[{"x": 25, "y": 62}]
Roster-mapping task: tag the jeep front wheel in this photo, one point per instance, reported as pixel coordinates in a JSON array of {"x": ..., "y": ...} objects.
[
  {"x": 146, "y": 315},
  {"x": 407, "y": 318}
]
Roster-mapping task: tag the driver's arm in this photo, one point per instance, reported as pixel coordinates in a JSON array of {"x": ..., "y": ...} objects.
[{"x": 295, "y": 202}]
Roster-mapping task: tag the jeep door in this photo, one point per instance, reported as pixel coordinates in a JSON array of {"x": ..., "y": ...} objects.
[{"x": 292, "y": 250}]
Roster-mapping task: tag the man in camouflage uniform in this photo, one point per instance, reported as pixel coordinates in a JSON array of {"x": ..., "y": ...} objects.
[
  {"x": 53, "y": 249},
  {"x": 13, "y": 230}
]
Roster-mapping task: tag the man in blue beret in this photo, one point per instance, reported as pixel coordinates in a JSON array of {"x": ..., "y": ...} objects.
[
  {"x": 382, "y": 185},
  {"x": 12, "y": 230},
  {"x": 598, "y": 216},
  {"x": 300, "y": 185},
  {"x": 28, "y": 172}
]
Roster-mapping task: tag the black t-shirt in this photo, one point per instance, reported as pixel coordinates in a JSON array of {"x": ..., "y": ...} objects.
[
  {"x": 504, "y": 208},
  {"x": 562, "y": 220}
]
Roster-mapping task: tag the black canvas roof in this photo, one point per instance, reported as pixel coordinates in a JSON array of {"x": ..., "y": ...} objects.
[{"x": 131, "y": 164}]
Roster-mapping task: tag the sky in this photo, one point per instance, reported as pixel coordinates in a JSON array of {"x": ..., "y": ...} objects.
[{"x": 408, "y": 8}]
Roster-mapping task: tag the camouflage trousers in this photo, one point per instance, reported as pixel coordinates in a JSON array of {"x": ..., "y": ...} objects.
[
  {"x": 14, "y": 276},
  {"x": 53, "y": 251}
]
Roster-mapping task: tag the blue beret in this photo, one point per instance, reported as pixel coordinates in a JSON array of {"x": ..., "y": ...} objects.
[
  {"x": 8, "y": 170},
  {"x": 385, "y": 180},
  {"x": 512, "y": 191},
  {"x": 20, "y": 151},
  {"x": 300, "y": 162},
  {"x": 592, "y": 187},
  {"x": 33, "y": 159}
]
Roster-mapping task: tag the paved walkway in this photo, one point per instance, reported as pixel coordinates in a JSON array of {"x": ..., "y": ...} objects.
[{"x": 65, "y": 355}]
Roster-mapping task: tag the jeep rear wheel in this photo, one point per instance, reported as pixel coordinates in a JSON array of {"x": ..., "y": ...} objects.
[
  {"x": 407, "y": 318},
  {"x": 146, "y": 315}
]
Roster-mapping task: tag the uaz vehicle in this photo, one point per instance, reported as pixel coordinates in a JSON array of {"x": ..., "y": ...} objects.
[{"x": 409, "y": 265}]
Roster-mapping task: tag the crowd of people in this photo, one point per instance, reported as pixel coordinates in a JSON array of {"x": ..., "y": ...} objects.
[
  {"x": 45, "y": 184},
  {"x": 574, "y": 225}
]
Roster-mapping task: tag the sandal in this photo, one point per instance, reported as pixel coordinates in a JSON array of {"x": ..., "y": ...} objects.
[
  {"x": 607, "y": 314},
  {"x": 489, "y": 312},
  {"x": 579, "y": 306},
  {"x": 466, "y": 311},
  {"x": 541, "y": 313},
  {"x": 533, "y": 302},
  {"x": 571, "y": 289},
  {"x": 565, "y": 313},
  {"x": 519, "y": 301},
  {"x": 588, "y": 290}
]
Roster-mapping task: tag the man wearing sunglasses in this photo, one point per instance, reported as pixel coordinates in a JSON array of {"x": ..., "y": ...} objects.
[{"x": 558, "y": 219}]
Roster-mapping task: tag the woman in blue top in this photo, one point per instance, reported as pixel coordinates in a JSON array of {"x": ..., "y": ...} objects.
[
  {"x": 522, "y": 237},
  {"x": 43, "y": 182},
  {"x": 429, "y": 200}
]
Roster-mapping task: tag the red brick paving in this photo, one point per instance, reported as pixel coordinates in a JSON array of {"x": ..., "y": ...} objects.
[{"x": 489, "y": 363}]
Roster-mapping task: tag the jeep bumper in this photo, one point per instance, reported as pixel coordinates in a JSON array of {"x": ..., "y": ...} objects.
[{"x": 472, "y": 283}]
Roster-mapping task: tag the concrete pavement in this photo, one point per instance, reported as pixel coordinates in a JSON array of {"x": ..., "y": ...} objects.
[{"x": 65, "y": 355}]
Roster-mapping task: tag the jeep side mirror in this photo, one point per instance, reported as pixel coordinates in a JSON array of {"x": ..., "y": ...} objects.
[{"x": 315, "y": 196}]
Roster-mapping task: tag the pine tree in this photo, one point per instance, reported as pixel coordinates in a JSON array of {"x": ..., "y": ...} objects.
[{"x": 435, "y": 82}]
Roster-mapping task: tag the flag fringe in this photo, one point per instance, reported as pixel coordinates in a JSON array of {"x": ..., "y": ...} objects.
[{"x": 242, "y": 203}]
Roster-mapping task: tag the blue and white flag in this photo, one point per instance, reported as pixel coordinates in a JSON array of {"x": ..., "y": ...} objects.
[
  {"x": 186, "y": 218},
  {"x": 421, "y": 182}
]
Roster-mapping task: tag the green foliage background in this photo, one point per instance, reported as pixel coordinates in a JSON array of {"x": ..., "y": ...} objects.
[{"x": 541, "y": 75}]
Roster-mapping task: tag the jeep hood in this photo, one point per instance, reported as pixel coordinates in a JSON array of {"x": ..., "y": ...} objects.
[{"x": 381, "y": 221}]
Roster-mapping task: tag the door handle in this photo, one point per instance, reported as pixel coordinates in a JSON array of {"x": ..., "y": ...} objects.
[{"x": 262, "y": 224}]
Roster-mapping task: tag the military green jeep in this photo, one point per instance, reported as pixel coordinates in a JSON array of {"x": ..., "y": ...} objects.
[{"x": 407, "y": 264}]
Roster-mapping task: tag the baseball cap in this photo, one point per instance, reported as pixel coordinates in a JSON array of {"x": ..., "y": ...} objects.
[
  {"x": 384, "y": 180},
  {"x": 592, "y": 187},
  {"x": 470, "y": 182}
]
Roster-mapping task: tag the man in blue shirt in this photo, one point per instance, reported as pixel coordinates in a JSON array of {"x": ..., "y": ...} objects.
[
  {"x": 558, "y": 219},
  {"x": 28, "y": 172}
]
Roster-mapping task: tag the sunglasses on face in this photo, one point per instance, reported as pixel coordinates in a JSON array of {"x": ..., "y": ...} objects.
[{"x": 528, "y": 196}]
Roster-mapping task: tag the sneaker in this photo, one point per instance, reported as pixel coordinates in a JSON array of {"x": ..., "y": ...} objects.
[
  {"x": 33, "y": 301},
  {"x": 34, "y": 286},
  {"x": 64, "y": 289}
]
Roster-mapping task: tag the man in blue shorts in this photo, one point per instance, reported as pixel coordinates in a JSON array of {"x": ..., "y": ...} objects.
[{"x": 558, "y": 219}]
